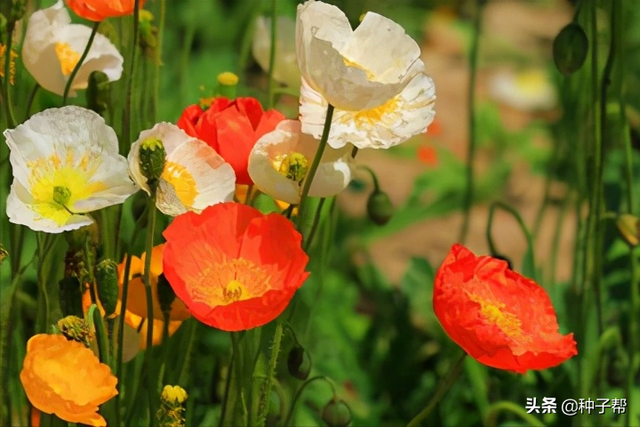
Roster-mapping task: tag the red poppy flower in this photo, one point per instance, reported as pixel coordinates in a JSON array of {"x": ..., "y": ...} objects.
[
  {"x": 497, "y": 316},
  {"x": 99, "y": 10},
  {"x": 234, "y": 267},
  {"x": 231, "y": 128}
]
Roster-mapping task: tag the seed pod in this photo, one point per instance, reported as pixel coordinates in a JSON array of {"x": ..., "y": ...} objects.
[
  {"x": 152, "y": 160},
  {"x": 570, "y": 49}
]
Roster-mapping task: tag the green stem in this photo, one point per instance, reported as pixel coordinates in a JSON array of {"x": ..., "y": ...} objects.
[
  {"x": 151, "y": 224},
  {"x": 471, "y": 148},
  {"x": 126, "y": 115},
  {"x": 32, "y": 96},
  {"x": 518, "y": 218},
  {"x": 498, "y": 407},
  {"x": 316, "y": 162},
  {"x": 227, "y": 386},
  {"x": 158, "y": 59},
  {"x": 314, "y": 226},
  {"x": 442, "y": 389},
  {"x": 376, "y": 184},
  {"x": 273, "y": 361},
  {"x": 301, "y": 389},
  {"x": 6, "y": 87},
  {"x": 72, "y": 76},
  {"x": 272, "y": 53}
]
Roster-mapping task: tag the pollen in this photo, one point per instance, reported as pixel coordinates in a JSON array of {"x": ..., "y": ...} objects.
[
  {"x": 12, "y": 63},
  {"x": 374, "y": 115},
  {"x": 293, "y": 166},
  {"x": 67, "y": 56},
  {"x": 494, "y": 313}
]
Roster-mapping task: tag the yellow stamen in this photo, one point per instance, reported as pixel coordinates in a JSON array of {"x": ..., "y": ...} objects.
[
  {"x": 375, "y": 114},
  {"x": 493, "y": 312},
  {"x": 12, "y": 63},
  {"x": 67, "y": 56},
  {"x": 350, "y": 63},
  {"x": 184, "y": 184}
]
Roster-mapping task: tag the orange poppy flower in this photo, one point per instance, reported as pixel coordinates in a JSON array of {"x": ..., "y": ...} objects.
[
  {"x": 65, "y": 378},
  {"x": 99, "y": 10},
  {"x": 234, "y": 267},
  {"x": 497, "y": 316},
  {"x": 232, "y": 128}
]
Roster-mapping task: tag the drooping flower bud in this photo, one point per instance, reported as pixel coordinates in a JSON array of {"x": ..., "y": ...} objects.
[
  {"x": 629, "y": 229},
  {"x": 379, "y": 207},
  {"x": 336, "y": 413},
  {"x": 299, "y": 363},
  {"x": 75, "y": 329},
  {"x": 152, "y": 160},
  {"x": 108, "y": 289},
  {"x": 166, "y": 295},
  {"x": 227, "y": 84}
]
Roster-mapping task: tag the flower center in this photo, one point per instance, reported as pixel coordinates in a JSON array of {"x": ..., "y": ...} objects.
[
  {"x": 182, "y": 182},
  {"x": 67, "y": 56},
  {"x": 493, "y": 313},
  {"x": 293, "y": 166},
  {"x": 226, "y": 281},
  {"x": 57, "y": 183},
  {"x": 374, "y": 115},
  {"x": 531, "y": 82}
]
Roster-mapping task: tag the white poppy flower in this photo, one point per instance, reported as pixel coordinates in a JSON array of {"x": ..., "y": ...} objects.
[
  {"x": 285, "y": 69},
  {"x": 194, "y": 175},
  {"x": 65, "y": 164},
  {"x": 281, "y": 159},
  {"x": 353, "y": 70},
  {"x": 527, "y": 90},
  {"x": 407, "y": 114},
  {"x": 53, "y": 46}
]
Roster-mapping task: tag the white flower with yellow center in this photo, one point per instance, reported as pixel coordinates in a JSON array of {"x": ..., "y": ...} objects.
[
  {"x": 526, "y": 90},
  {"x": 65, "y": 164},
  {"x": 353, "y": 70},
  {"x": 53, "y": 46},
  {"x": 285, "y": 69},
  {"x": 281, "y": 159},
  {"x": 194, "y": 175},
  {"x": 407, "y": 114}
]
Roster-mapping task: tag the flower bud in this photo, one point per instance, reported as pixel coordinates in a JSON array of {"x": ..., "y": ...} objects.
[
  {"x": 336, "y": 413},
  {"x": 299, "y": 363},
  {"x": 98, "y": 92},
  {"x": 379, "y": 207},
  {"x": 227, "y": 84},
  {"x": 570, "y": 49},
  {"x": 75, "y": 329},
  {"x": 166, "y": 295},
  {"x": 152, "y": 160},
  {"x": 148, "y": 34},
  {"x": 108, "y": 289},
  {"x": 629, "y": 229}
]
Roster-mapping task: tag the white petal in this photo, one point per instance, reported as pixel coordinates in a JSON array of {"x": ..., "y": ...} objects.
[
  {"x": 406, "y": 115},
  {"x": 350, "y": 73},
  {"x": 214, "y": 178},
  {"x": 19, "y": 212},
  {"x": 286, "y": 69},
  {"x": 332, "y": 176},
  {"x": 103, "y": 55}
]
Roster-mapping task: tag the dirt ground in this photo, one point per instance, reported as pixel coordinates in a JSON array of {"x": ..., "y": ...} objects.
[{"x": 529, "y": 27}]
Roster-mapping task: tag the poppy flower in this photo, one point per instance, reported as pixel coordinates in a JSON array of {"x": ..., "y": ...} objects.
[
  {"x": 280, "y": 161},
  {"x": 194, "y": 175},
  {"x": 99, "y": 10},
  {"x": 368, "y": 66},
  {"x": 53, "y": 46},
  {"x": 65, "y": 378},
  {"x": 235, "y": 277},
  {"x": 525, "y": 90},
  {"x": 405, "y": 115},
  {"x": 65, "y": 164},
  {"x": 497, "y": 316},
  {"x": 231, "y": 128}
]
